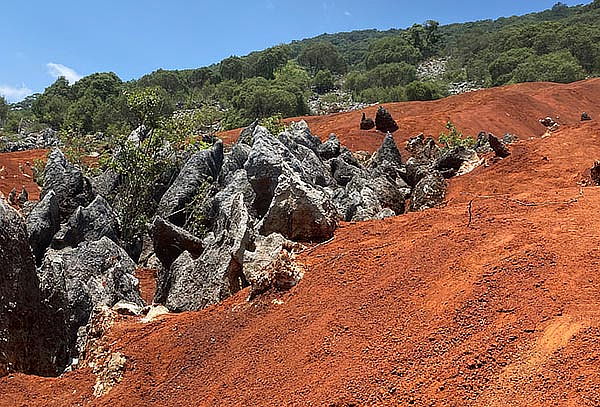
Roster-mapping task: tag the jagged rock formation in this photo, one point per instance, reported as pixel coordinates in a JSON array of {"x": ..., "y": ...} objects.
[
  {"x": 71, "y": 187},
  {"x": 31, "y": 332},
  {"x": 76, "y": 280},
  {"x": 498, "y": 146}
]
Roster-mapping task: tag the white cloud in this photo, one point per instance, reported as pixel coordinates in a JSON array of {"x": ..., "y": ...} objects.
[
  {"x": 58, "y": 70},
  {"x": 15, "y": 94},
  {"x": 347, "y": 13}
]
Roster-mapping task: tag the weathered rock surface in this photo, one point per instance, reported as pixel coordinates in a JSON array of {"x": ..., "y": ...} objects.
[
  {"x": 218, "y": 273},
  {"x": 498, "y": 146},
  {"x": 91, "y": 223},
  {"x": 271, "y": 265},
  {"x": 31, "y": 333},
  {"x": 78, "y": 279},
  {"x": 42, "y": 223},
  {"x": 429, "y": 192},
  {"x": 201, "y": 168},
  {"x": 72, "y": 188},
  {"x": 170, "y": 241},
  {"x": 299, "y": 211},
  {"x": 330, "y": 148}
]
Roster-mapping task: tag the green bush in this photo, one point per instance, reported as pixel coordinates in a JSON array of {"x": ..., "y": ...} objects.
[
  {"x": 559, "y": 67},
  {"x": 324, "y": 82},
  {"x": 425, "y": 91},
  {"x": 454, "y": 138}
]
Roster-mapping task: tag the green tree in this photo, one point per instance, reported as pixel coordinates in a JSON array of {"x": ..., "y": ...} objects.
[
  {"x": 292, "y": 73},
  {"x": 393, "y": 74},
  {"x": 321, "y": 56},
  {"x": 3, "y": 110},
  {"x": 51, "y": 106},
  {"x": 270, "y": 60},
  {"x": 559, "y": 67},
  {"x": 148, "y": 105},
  {"x": 424, "y": 91},
  {"x": 392, "y": 49},
  {"x": 356, "y": 81},
  {"x": 232, "y": 68},
  {"x": 324, "y": 81},
  {"x": 502, "y": 68}
]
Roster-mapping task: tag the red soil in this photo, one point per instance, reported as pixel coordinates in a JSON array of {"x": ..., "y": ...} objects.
[
  {"x": 490, "y": 300},
  {"x": 511, "y": 109},
  {"x": 147, "y": 279},
  {"x": 15, "y": 172}
]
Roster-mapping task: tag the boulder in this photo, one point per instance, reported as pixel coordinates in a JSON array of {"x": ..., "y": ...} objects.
[
  {"x": 170, "y": 241},
  {"x": 429, "y": 192},
  {"x": 270, "y": 264},
  {"x": 498, "y": 146},
  {"x": 329, "y": 149},
  {"x": 76, "y": 280},
  {"x": 482, "y": 145},
  {"x": 31, "y": 332},
  {"x": 140, "y": 134},
  {"x": 510, "y": 138},
  {"x": 366, "y": 123},
  {"x": 106, "y": 184},
  {"x": 384, "y": 121},
  {"x": 42, "y": 223},
  {"x": 299, "y": 212},
  {"x": 233, "y": 162},
  {"x": 201, "y": 168},
  {"x": 585, "y": 117},
  {"x": 246, "y": 135},
  {"x": 72, "y": 188},
  {"x": 91, "y": 223},
  {"x": 344, "y": 168},
  {"x": 190, "y": 284},
  {"x": 451, "y": 160},
  {"x": 300, "y": 133},
  {"x": 422, "y": 148}
]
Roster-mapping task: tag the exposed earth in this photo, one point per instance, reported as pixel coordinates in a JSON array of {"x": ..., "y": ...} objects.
[{"x": 492, "y": 299}]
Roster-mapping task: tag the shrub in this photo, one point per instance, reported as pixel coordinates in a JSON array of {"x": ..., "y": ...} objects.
[
  {"x": 424, "y": 91},
  {"x": 454, "y": 138},
  {"x": 324, "y": 82}
]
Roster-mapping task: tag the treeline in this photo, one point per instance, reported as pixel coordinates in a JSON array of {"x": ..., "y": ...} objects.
[{"x": 560, "y": 44}]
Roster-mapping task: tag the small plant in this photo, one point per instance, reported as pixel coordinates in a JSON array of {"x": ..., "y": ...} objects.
[
  {"x": 454, "y": 138},
  {"x": 38, "y": 168},
  {"x": 274, "y": 124},
  {"x": 195, "y": 219}
]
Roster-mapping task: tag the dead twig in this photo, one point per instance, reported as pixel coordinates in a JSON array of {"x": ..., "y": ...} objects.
[
  {"x": 310, "y": 250},
  {"x": 470, "y": 208}
]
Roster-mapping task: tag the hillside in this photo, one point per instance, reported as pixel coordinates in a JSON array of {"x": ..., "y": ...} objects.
[
  {"x": 490, "y": 299},
  {"x": 512, "y": 109}
]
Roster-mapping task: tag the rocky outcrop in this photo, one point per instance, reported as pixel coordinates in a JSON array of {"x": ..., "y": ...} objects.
[
  {"x": 218, "y": 273},
  {"x": 91, "y": 223},
  {"x": 71, "y": 187},
  {"x": 271, "y": 264},
  {"x": 299, "y": 211},
  {"x": 429, "y": 192},
  {"x": 170, "y": 241},
  {"x": 366, "y": 123},
  {"x": 384, "y": 121},
  {"x": 93, "y": 274},
  {"x": 31, "y": 332},
  {"x": 42, "y": 223},
  {"x": 330, "y": 148},
  {"x": 201, "y": 168}
]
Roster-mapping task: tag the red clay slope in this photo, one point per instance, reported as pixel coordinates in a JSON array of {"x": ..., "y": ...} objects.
[
  {"x": 424, "y": 309},
  {"x": 15, "y": 172},
  {"x": 515, "y": 109}
]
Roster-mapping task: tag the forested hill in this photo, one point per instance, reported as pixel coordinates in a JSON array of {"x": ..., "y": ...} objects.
[{"x": 561, "y": 44}]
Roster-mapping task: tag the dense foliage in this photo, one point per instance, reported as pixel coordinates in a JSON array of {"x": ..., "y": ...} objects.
[{"x": 561, "y": 44}]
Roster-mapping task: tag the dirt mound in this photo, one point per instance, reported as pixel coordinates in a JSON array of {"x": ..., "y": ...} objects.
[
  {"x": 489, "y": 300},
  {"x": 15, "y": 172},
  {"x": 512, "y": 109}
]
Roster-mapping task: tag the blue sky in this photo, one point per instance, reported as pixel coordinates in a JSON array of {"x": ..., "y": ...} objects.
[{"x": 43, "y": 39}]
